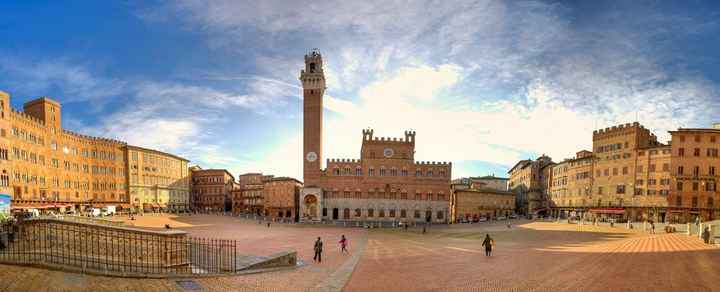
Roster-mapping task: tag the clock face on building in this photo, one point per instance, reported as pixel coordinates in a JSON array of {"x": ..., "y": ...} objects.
[
  {"x": 388, "y": 152},
  {"x": 311, "y": 156}
]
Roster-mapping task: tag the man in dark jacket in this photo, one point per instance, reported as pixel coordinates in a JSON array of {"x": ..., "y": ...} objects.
[
  {"x": 706, "y": 235},
  {"x": 318, "y": 251},
  {"x": 488, "y": 243}
]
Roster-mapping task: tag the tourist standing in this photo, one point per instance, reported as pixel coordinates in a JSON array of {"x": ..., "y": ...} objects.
[
  {"x": 652, "y": 227},
  {"x": 343, "y": 244},
  {"x": 706, "y": 235},
  {"x": 318, "y": 250},
  {"x": 488, "y": 243}
]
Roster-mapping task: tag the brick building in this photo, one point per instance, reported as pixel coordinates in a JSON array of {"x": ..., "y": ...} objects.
[
  {"x": 281, "y": 196},
  {"x": 212, "y": 189},
  {"x": 694, "y": 165},
  {"x": 248, "y": 198},
  {"x": 47, "y": 167},
  {"x": 385, "y": 185}
]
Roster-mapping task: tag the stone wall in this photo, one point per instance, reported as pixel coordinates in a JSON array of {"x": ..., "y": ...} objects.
[{"x": 97, "y": 249}]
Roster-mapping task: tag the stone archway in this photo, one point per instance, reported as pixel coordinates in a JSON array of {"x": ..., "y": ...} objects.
[{"x": 311, "y": 206}]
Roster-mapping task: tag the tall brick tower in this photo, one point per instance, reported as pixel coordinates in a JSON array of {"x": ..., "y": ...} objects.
[{"x": 313, "y": 83}]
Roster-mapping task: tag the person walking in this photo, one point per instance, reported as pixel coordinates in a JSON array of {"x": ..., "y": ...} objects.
[
  {"x": 488, "y": 243},
  {"x": 652, "y": 227},
  {"x": 318, "y": 250},
  {"x": 706, "y": 235},
  {"x": 343, "y": 244}
]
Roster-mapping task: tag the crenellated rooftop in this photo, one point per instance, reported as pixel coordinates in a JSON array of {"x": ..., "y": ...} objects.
[
  {"x": 433, "y": 163},
  {"x": 342, "y": 160},
  {"x": 93, "y": 139},
  {"x": 621, "y": 127},
  {"x": 368, "y": 136},
  {"x": 14, "y": 113}
]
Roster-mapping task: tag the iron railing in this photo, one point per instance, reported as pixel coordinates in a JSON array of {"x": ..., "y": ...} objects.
[{"x": 115, "y": 251}]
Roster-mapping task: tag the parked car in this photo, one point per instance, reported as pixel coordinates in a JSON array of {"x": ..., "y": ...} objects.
[
  {"x": 500, "y": 218},
  {"x": 482, "y": 219},
  {"x": 513, "y": 216},
  {"x": 109, "y": 210}
]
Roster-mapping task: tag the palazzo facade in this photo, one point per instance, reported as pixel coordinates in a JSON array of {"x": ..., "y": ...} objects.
[{"x": 385, "y": 185}]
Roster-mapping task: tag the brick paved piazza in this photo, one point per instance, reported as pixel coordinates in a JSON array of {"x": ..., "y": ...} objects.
[{"x": 532, "y": 256}]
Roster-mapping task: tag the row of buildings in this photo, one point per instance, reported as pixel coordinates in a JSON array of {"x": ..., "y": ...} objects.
[
  {"x": 628, "y": 175},
  {"x": 44, "y": 166}
]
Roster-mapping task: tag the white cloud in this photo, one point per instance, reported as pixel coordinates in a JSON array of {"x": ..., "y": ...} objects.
[{"x": 472, "y": 76}]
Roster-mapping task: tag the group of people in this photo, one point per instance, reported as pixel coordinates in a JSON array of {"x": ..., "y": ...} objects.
[
  {"x": 319, "y": 248},
  {"x": 488, "y": 243}
]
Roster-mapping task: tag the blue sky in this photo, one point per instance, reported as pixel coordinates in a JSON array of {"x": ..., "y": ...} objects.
[{"x": 484, "y": 83}]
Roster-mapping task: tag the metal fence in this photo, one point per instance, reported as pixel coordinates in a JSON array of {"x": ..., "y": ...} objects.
[{"x": 114, "y": 251}]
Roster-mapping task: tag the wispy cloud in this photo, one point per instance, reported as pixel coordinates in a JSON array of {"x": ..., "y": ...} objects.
[{"x": 472, "y": 76}]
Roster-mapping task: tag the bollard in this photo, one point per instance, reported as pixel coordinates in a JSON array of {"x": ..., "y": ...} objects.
[
  {"x": 687, "y": 232},
  {"x": 700, "y": 231},
  {"x": 645, "y": 226},
  {"x": 712, "y": 236}
]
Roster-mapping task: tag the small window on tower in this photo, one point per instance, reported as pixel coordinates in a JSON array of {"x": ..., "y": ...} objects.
[{"x": 312, "y": 67}]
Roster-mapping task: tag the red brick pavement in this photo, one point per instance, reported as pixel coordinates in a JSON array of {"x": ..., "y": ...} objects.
[
  {"x": 536, "y": 257},
  {"x": 530, "y": 257},
  {"x": 254, "y": 238}
]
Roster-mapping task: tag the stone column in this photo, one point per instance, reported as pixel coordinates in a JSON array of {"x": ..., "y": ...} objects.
[{"x": 700, "y": 231}]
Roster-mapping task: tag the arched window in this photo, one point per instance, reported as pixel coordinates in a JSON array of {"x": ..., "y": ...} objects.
[
  {"x": 381, "y": 213},
  {"x": 392, "y": 213},
  {"x": 439, "y": 215},
  {"x": 357, "y": 213},
  {"x": 358, "y": 171},
  {"x": 403, "y": 213},
  {"x": 371, "y": 212},
  {"x": 346, "y": 213}
]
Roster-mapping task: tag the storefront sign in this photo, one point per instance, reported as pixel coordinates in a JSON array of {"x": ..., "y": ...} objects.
[{"x": 5, "y": 203}]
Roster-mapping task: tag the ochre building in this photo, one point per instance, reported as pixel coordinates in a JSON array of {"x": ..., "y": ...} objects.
[
  {"x": 528, "y": 182},
  {"x": 45, "y": 166},
  {"x": 281, "y": 197},
  {"x": 385, "y": 185},
  {"x": 473, "y": 201},
  {"x": 630, "y": 175}
]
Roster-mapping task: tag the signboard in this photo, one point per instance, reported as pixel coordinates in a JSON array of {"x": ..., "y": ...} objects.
[{"x": 5, "y": 203}]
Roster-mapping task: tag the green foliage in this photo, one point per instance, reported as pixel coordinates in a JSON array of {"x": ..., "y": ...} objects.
[{"x": 5, "y": 217}]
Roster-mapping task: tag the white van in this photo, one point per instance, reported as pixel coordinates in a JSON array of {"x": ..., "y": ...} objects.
[{"x": 109, "y": 210}]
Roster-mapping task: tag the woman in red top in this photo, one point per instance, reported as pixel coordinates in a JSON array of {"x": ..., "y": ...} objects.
[{"x": 343, "y": 244}]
